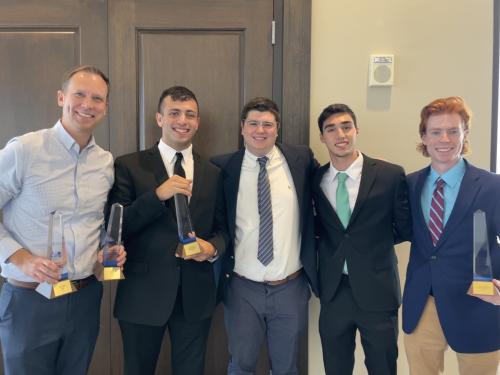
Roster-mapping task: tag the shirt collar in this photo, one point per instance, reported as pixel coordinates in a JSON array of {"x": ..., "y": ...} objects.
[
  {"x": 168, "y": 152},
  {"x": 67, "y": 140},
  {"x": 452, "y": 176},
  {"x": 270, "y": 155},
  {"x": 354, "y": 170}
]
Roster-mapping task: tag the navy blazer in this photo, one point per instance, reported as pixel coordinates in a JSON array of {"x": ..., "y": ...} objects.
[
  {"x": 301, "y": 163},
  {"x": 470, "y": 325}
]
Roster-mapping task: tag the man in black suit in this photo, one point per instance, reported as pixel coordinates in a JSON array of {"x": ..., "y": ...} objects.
[
  {"x": 271, "y": 259},
  {"x": 358, "y": 275},
  {"x": 162, "y": 290}
]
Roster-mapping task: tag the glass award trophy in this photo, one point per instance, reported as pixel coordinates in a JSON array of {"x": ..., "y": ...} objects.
[
  {"x": 56, "y": 249},
  {"x": 482, "y": 283},
  {"x": 109, "y": 269},
  {"x": 187, "y": 245}
]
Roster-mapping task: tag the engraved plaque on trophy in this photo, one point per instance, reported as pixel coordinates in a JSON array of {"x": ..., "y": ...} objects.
[
  {"x": 56, "y": 249},
  {"x": 109, "y": 269},
  {"x": 187, "y": 244},
  {"x": 482, "y": 277}
]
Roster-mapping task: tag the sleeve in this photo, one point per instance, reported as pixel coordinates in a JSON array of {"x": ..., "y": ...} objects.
[
  {"x": 402, "y": 224},
  {"x": 11, "y": 182}
]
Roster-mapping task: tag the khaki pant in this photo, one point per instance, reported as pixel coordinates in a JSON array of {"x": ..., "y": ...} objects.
[{"x": 426, "y": 345}]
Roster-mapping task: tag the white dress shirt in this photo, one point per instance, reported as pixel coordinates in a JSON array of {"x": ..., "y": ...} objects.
[
  {"x": 329, "y": 182},
  {"x": 168, "y": 156},
  {"x": 286, "y": 219},
  {"x": 45, "y": 171}
]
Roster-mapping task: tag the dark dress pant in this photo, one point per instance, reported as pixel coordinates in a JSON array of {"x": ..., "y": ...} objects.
[
  {"x": 142, "y": 344},
  {"x": 338, "y": 322}
]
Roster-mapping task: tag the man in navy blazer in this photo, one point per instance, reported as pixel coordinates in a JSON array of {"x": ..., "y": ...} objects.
[
  {"x": 268, "y": 202},
  {"x": 437, "y": 311}
]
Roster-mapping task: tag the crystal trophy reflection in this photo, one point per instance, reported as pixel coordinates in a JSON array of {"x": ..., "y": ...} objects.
[
  {"x": 56, "y": 249},
  {"x": 482, "y": 283},
  {"x": 187, "y": 242},
  {"x": 109, "y": 269}
]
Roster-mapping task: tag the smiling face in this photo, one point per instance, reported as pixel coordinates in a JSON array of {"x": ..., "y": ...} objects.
[
  {"x": 444, "y": 139},
  {"x": 259, "y": 131},
  {"x": 339, "y": 134},
  {"x": 83, "y": 104},
  {"x": 178, "y": 121}
]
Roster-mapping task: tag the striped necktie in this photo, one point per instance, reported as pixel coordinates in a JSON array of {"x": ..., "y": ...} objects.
[
  {"x": 436, "y": 217},
  {"x": 265, "y": 251}
]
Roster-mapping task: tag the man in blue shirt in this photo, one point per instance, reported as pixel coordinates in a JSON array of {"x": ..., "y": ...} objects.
[
  {"x": 437, "y": 311},
  {"x": 60, "y": 169}
]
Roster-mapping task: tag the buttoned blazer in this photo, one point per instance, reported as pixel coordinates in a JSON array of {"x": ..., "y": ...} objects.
[
  {"x": 152, "y": 271},
  {"x": 301, "y": 163},
  {"x": 380, "y": 218},
  {"x": 469, "y": 324}
]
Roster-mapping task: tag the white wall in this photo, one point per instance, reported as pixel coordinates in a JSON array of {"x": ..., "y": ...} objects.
[{"x": 441, "y": 48}]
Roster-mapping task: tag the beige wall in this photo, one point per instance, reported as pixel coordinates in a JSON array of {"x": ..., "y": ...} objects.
[{"x": 441, "y": 48}]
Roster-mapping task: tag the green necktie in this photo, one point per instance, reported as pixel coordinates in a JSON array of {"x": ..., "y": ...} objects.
[
  {"x": 343, "y": 208},
  {"x": 342, "y": 197}
]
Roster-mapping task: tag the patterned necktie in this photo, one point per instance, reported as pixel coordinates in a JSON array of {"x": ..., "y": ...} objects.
[
  {"x": 436, "y": 217},
  {"x": 265, "y": 252},
  {"x": 342, "y": 200}
]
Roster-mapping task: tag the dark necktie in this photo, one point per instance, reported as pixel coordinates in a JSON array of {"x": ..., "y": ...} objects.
[
  {"x": 436, "y": 217},
  {"x": 265, "y": 252},
  {"x": 179, "y": 170}
]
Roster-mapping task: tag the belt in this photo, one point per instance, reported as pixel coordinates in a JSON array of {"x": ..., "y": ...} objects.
[
  {"x": 290, "y": 277},
  {"x": 78, "y": 284}
]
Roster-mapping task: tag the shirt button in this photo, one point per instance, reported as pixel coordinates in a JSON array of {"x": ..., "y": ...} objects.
[{"x": 434, "y": 257}]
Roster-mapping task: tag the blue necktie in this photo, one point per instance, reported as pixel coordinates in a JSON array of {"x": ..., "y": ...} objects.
[{"x": 265, "y": 252}]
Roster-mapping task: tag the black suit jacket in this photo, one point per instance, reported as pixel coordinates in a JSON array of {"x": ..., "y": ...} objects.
[
  {"x": 153, "y": 273},
  {"x": 301, "y": 163},
  {"x": 380, "y": 218}
]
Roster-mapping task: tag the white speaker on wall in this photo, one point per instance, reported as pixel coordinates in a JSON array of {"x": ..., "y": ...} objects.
[{"x": 381, "y": 70}]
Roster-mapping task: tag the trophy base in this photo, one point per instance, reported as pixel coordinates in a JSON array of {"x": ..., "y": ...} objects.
[
  {"x": 482, "y": 288},
  {"x": 188, "y": 249},
  {"x": 59, "y": 289},
  {"x": 107, "y": 273}
]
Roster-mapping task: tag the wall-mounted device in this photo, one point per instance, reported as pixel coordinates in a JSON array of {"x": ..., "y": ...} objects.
[{"x": 381, "y": 70}]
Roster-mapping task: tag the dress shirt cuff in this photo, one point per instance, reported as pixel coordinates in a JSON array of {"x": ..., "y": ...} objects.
[
  {"x": 214, "y": 257},
  {"x": 8, "y": 246}
]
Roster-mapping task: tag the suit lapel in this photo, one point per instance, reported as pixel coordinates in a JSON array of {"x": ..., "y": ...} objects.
[
  {"x": 417, "y": 195},
  {"x": 198, "y": 177},
  {"x": 469, "y": 188},
  {"x": 231, "y": 186},
  {"x": 322, "y": 202},
  {"x": 155, "y": 162},
  {"x": 297, "y": 172},
  {"x": 368, "y": 173}
]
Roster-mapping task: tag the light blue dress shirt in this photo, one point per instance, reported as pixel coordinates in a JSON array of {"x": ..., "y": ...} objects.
[
  {"x": 42, "y": 172},
  {"x": 453, "y": 178}
]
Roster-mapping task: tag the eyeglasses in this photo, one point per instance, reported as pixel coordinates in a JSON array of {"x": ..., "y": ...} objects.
[
  {"x": 438, "y": 133},
  {"x": 267, "y": 125}
]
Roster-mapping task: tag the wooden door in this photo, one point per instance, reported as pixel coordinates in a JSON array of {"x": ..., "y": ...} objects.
[{"x": 223, "y": 52}]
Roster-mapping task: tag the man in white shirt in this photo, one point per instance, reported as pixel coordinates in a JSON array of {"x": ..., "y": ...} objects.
[
  {"x": 62, "y": 170},
  {"x": 267, "y": 269},
  {"x": 362, "y": 210},
  {"x": 162, "y": 290}
]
